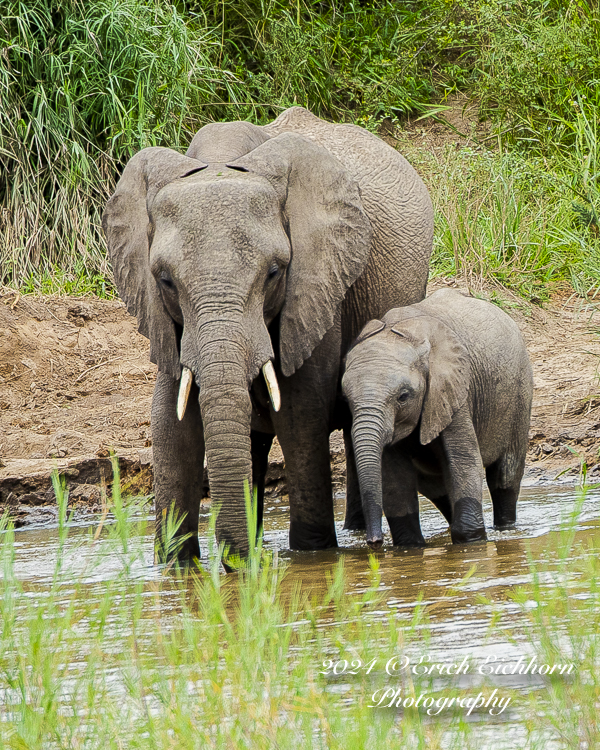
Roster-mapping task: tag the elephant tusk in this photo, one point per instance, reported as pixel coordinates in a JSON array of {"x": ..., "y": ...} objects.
[
  {"x": 184, "y": 391},
  {"x": 272, "y": 385}
]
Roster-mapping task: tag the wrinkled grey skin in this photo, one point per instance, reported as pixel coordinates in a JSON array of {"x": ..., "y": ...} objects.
[
  {"x": 440, "y": 393},
  {"x": 261, "y": 243}
]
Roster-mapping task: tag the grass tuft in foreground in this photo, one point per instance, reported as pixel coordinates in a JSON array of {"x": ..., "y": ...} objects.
[
  {"x": 563, "y": 612},
  {"x": 137, "y": 658}
]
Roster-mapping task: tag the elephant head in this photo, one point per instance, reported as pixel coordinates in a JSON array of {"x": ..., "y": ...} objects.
[
  {"x": 406, "y": 373},
  {"x": 232, "y": 257}
]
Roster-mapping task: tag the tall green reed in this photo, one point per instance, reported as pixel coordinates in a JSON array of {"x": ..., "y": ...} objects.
[
  {"x": 509, "y": 219},
  {"x": 84, "y": 86},
  {"x": 536, "y": 61},
  {"x": 109, "y": 650},
  {"x": 561, "y": 610}
]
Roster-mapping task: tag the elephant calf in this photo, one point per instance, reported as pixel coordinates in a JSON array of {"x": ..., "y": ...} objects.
[{"x": 439, "y": 391}]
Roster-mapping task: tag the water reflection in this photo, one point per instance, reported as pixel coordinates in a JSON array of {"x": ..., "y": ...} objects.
[
  {"x": 501, "y": 562},
  {"x": 432, "y": 572}
]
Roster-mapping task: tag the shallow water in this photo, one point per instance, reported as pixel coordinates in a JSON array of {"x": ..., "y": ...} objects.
[{"x": 458, "y": 618}]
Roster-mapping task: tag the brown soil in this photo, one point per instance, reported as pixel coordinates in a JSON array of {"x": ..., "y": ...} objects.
[
  {"x": 455, "y": 123},
  {"x": 75, "y": 383}
]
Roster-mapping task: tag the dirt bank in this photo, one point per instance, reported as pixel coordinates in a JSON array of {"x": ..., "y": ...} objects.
[{"x": 76, "y": 382}]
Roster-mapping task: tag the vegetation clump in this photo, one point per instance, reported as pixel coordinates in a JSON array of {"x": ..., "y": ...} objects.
[{"x": 83, "y": 86}]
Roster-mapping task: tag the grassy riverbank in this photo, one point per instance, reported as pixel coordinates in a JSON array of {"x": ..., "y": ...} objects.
[
  {"x": 113, "y": 657},
  {"x": 517, "y": 220},
  {"x": 84, "y": 86}
]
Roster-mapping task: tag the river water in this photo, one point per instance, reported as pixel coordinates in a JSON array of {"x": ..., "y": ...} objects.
[{"x": 459, "y": 617}]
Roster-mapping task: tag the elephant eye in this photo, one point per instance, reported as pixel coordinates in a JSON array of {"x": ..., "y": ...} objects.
[
  {"x": 403, "y": 397},
  {"x": 273, "y": 271},
  {"x": 166, "y": 282}
]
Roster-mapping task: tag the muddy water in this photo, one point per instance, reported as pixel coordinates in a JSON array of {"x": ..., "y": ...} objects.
[{"x": 459, "y": 620}]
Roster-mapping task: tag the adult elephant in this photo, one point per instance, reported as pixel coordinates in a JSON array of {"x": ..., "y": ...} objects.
[{"x": 261, "y": 245}]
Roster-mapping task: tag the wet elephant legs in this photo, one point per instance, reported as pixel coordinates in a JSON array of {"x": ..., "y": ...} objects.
[
  {"x": 400, "y": 498},
  {"x": 504, "y": 481},
  {"x": 178, "y": 451},
  {"x": 505, "y": 507},
  {"x": 261, "y": 445},
  {"x": 302, "y": 426},
  {"x": 463, "y": 476}
]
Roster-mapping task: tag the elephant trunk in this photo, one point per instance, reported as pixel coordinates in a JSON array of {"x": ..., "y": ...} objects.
[
  {"x": 368, "y": 442},
  {"x": 226, "y": 409}
]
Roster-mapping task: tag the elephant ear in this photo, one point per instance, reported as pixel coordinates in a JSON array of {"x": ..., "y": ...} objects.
[
  {"x": 126, "y": 225},
  {"x": 370, "y": 329},
  {"x": 330, "y": 236},
  {"x": 449, "y": 368}
]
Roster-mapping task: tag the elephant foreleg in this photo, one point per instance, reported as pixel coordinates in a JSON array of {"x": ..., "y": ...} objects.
[
  {"x": 400, "y": 498},
  {"x": 178, "y": 449},
  {"x": 261, "y": 445},
  {"x": 463, "y": 476},
  {"x": 302, "y": 425}
]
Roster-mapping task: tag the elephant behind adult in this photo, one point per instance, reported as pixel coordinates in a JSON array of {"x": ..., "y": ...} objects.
[{"x": 262, "y": 244}]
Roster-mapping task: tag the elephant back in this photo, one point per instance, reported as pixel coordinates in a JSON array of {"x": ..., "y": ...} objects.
[
  {"x": 501, "y": 385},
  {"x": 226, "y": 141}
]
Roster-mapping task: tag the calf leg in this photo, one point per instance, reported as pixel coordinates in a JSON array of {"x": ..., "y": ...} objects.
[
  {"x": 463, "y": 476},
  {"x": 504, "y": 481},
  {"x": 400, "y": 498}
]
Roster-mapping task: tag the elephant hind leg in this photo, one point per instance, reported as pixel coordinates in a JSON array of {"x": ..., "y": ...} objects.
[
  {"x": 261, "y": 445},
  {"x": 442, "y": 503},
  {"x": 355, "y": 518},
  {"x": 433, "y": 488},
  {"x": 505, "y": 507},
  {"x": 504, "y": 481}
]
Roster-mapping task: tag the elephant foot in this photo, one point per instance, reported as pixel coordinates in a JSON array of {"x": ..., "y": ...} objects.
[
  {"x": 180, "y": 555},
  {"x": 467, "y": 524},
  {"x": 503, "y": 524},
  {"x": 307, "y": 536},
  {"x": 406, "y": 530}
]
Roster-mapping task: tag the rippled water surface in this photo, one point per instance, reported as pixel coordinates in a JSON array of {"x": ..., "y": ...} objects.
[{"x": 459, "y": 618}]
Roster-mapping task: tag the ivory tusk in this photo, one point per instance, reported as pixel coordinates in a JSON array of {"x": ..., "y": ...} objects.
[
  {"x": 272, "y": 386},
  {"x": 184, "y": 391}
]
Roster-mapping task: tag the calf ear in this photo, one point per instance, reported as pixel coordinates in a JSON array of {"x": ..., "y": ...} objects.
[
  {"x": 449, "y": 368},
  {"x": 371, "y": 328},
  {"x": 448, "y": 380}
]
